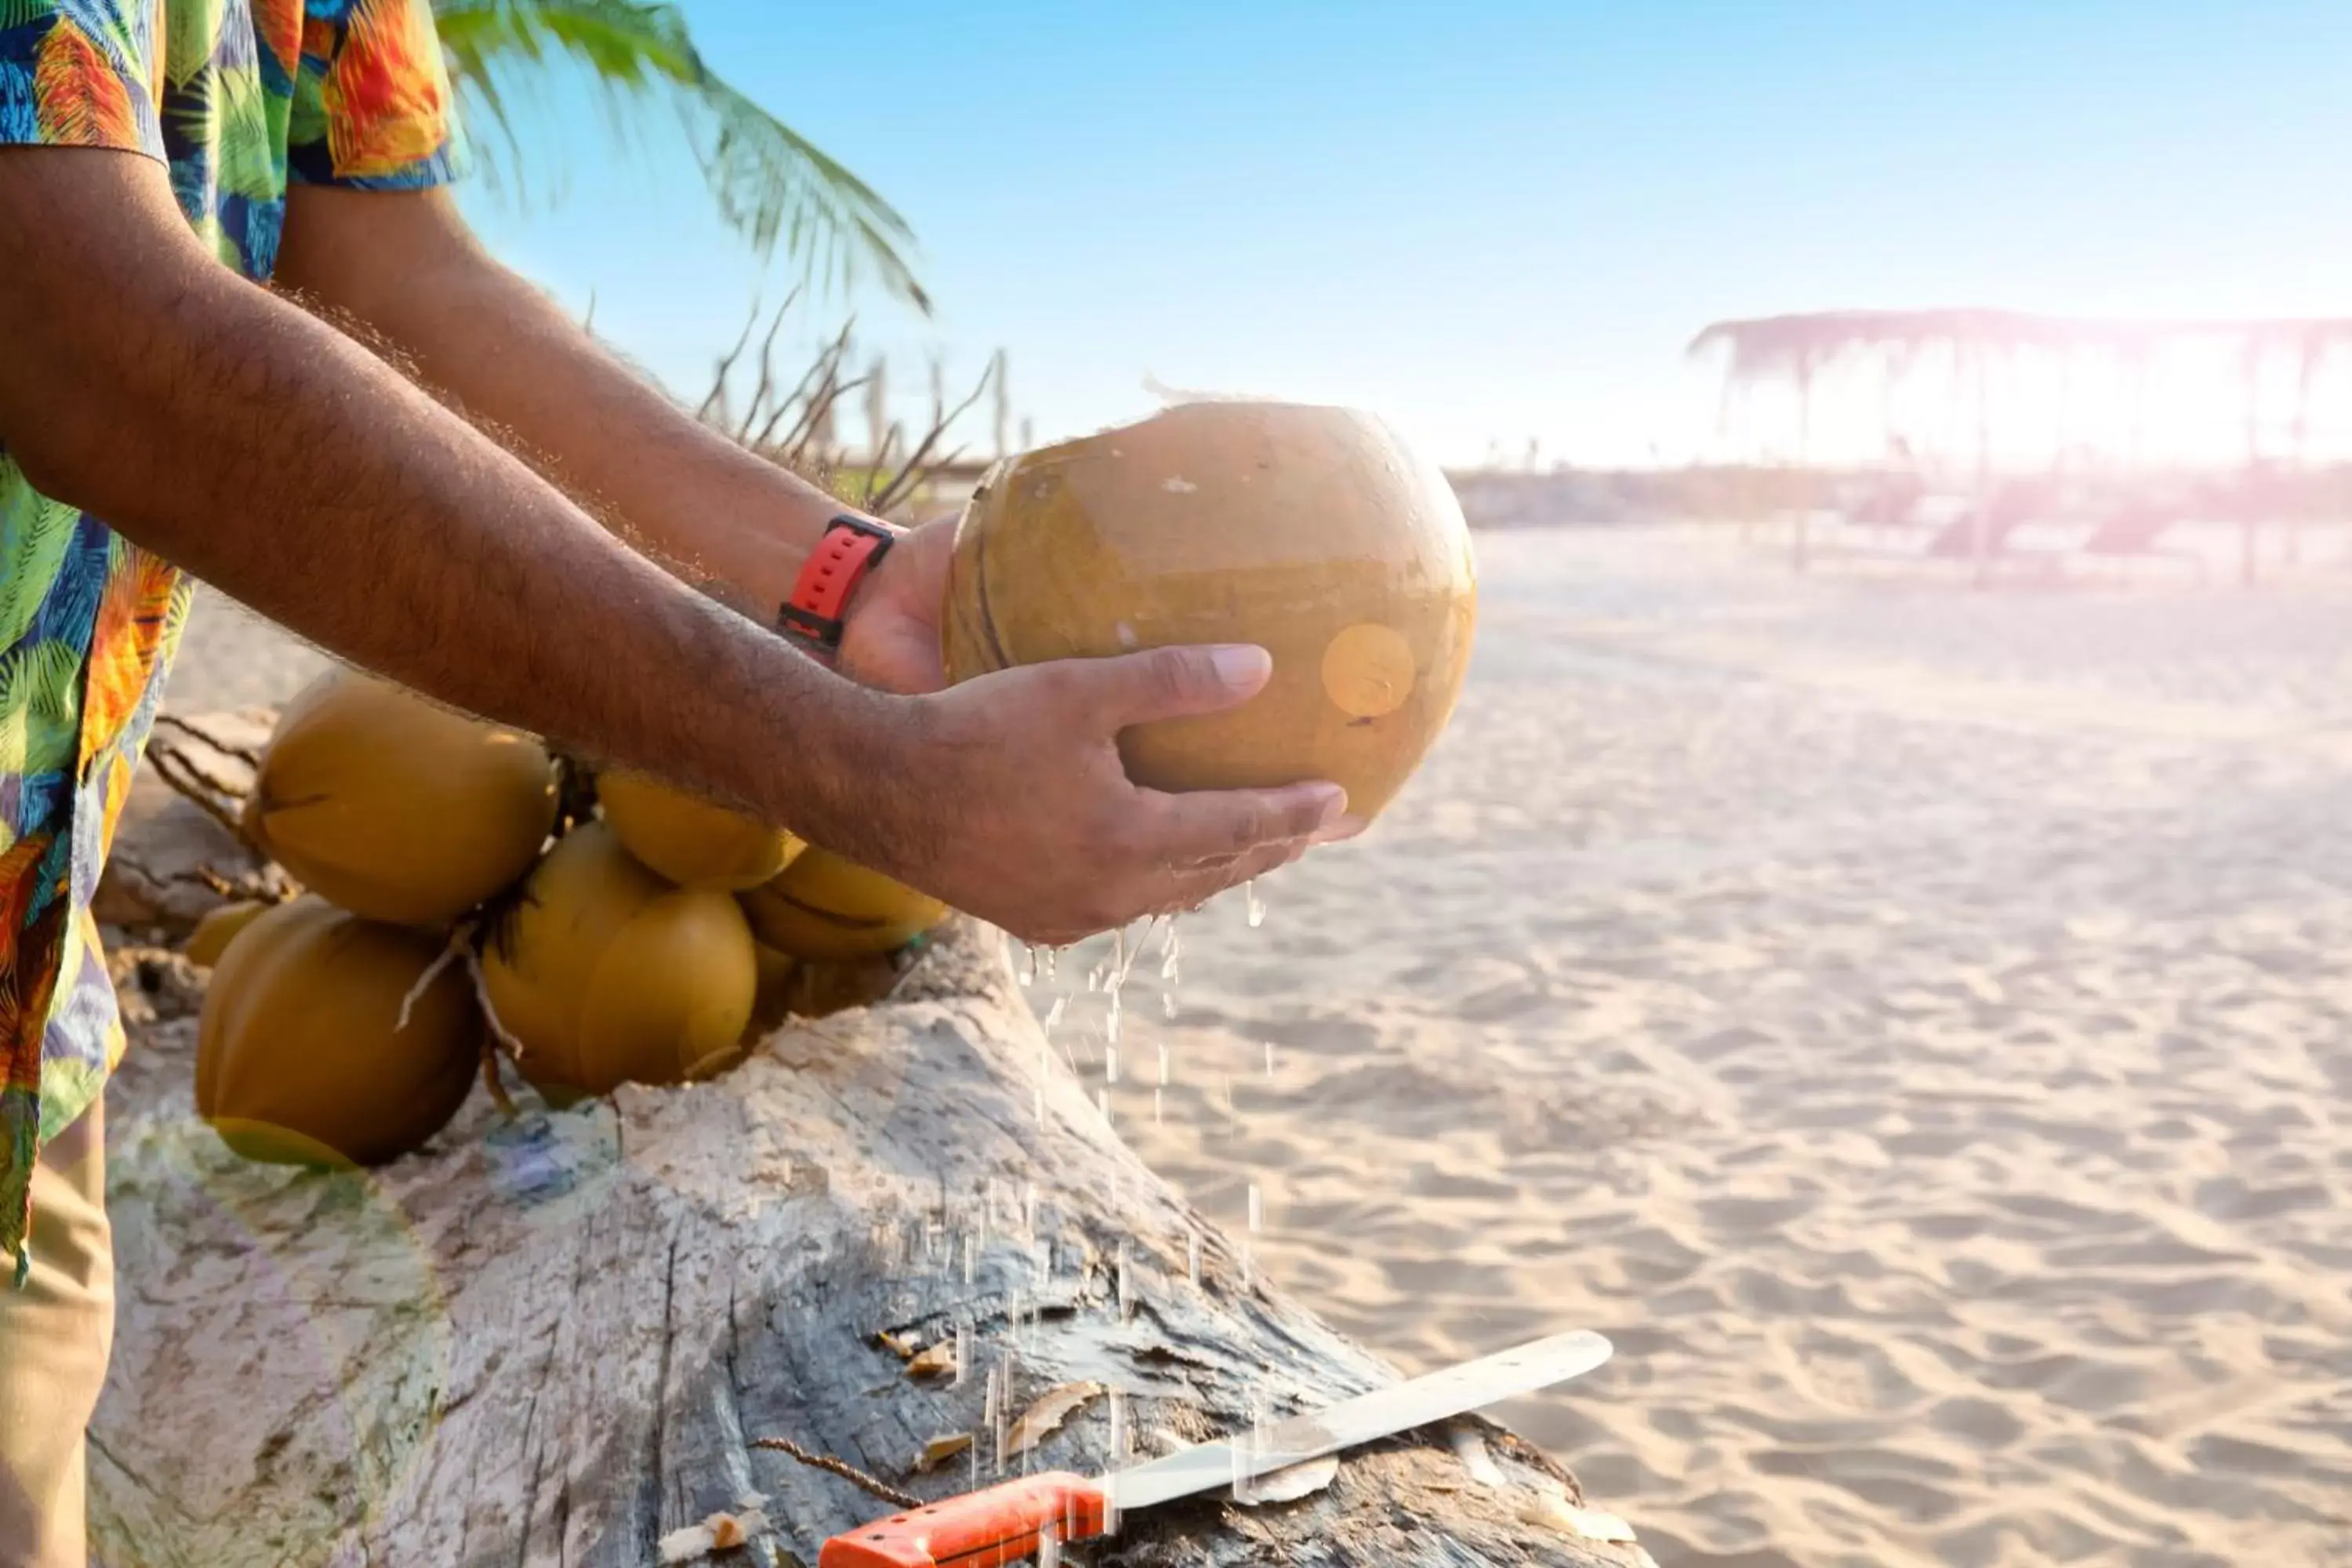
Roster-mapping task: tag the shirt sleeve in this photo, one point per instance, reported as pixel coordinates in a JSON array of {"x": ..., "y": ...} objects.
[
  {"x": 79, "y": 73},
  {"x": 373, "y": 105}
]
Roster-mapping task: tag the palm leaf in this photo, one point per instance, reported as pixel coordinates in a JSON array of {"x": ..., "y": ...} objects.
[{"x": 771, "y": 186}]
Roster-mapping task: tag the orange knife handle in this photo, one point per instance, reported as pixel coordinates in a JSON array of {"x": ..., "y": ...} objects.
[{"x": 979, "y": 1530}]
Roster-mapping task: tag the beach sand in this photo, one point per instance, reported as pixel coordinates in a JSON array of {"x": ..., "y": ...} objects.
[{"x": 1913, "y": 1024}]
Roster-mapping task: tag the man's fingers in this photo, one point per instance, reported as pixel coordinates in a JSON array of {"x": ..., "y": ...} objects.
[
  {"x": 1190, "y": 887},
  {"x": 1209, "y": 825},
  {"x": 1174, "y": 682}
]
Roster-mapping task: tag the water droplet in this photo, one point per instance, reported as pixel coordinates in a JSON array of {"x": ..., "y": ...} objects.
[
  {"x": 1029, "y": 969},
  {"x": 963, "y": 1355},
  {"x": 1163, "y": 1063},
  {"x": 1193, "y": 1257},
  {"x": 1110, "y": 1062},
  {"x": 1121, "y": 1444},
  {"x": 1049, "y": 1546},
  {"x": 1255, "y": 905},
  {"x": 1054, "y": 1014},
  {"x": 1256, "y": 1209},
  {"x": 1168, "y": 1003},
  {"x": 1000, "y": 1423},
  {"x": 1110, "y": 1021},
  {"x": 1102, "y": 1102},
  {"x": 1126, "y": 1285},
  {"x": 971, "y": 1251}
]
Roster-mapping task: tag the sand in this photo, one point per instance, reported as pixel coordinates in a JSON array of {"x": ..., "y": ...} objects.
[{"x": 1912, "y": 1023}]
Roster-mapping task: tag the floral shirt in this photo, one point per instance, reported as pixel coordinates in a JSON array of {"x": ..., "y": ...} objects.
[{"x": 236, "y": 98}]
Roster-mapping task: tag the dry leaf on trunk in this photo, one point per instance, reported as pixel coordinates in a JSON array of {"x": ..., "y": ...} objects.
[
  {"x": 1043, "y": 1419},
  {"x": 719, "y": 1533},
  {"x": 940, "y": 1450},
  {"x": 1290, "y": 1484},
  {"x": 1588, "y": 1523}
]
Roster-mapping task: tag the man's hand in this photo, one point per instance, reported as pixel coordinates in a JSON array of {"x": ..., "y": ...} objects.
[
  {"x": 1036, "y": 825},
  {"x": 890, "y": 635}
]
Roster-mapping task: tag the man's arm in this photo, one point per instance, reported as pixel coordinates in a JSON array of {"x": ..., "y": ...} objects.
[
  {"x": 272, "y": 456},
  {"x": 405, "y": 265}
]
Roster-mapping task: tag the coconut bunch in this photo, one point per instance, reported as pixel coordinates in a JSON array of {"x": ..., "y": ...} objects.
[{"x": 467, "y": 888}]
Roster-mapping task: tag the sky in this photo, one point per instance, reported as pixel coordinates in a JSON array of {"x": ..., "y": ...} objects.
[{"x": 1491, "y": 223}]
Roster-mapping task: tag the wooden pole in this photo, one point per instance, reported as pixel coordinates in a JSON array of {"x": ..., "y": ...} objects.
[
  {"x": 1982, "y": 534},
  {"x": 1799, "y": 539},
  {"x": 2249, "y": 524}
]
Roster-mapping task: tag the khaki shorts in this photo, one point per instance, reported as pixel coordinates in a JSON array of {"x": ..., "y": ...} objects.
[{"x": 55, "y": 1335}]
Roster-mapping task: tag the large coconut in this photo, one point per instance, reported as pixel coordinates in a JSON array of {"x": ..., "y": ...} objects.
[
  {"x": 301, "y": 1057},
  {"x": 606, "y": 974},
  {"x": 823, "y": 907},
  {"x": 692, "y": 842},
  {"x": 1311, "y": 532},
  {"x": 396, "y": 808}
]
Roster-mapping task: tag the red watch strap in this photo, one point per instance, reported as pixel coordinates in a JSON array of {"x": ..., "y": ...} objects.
[{"x": 850, "y": 547}]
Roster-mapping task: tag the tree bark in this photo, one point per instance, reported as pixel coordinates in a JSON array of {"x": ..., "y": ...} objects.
[{"x": 556, "y": 1338}]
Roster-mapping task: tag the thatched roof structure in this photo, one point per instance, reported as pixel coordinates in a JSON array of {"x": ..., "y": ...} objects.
[{"x": 1769, "y": 346}]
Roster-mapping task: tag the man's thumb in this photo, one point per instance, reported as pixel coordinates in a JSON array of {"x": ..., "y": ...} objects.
[{"x": 1175, "y": 682}]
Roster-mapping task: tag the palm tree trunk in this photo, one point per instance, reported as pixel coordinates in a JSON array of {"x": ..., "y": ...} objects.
[{"x": 561, "y": 1339}]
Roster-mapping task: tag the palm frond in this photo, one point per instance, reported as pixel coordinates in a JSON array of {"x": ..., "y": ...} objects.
[{"x": 770, "y": 184}]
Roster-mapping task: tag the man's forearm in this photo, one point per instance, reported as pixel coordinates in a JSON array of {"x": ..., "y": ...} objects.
[
  {"x": 269, "y": 454},
  {"x": 405, "y": 267}
]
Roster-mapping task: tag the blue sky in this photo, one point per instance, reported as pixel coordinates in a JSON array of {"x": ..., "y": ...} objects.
[{"x": 1488, "y": 221}]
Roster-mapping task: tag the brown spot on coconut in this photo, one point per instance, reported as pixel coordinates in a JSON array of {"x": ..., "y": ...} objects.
[
  {"x": 692, "y": 842},
  {"x": 219, "y": 928},
  {"x": 606, "y": 974},
  {"x": 396, "y": 808},
  {"x": 823, "y": 907},
  {"x": 316, "y": 1045}
]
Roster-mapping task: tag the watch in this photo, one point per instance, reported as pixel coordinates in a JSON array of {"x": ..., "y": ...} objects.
[{"x": 849, "y": 549}]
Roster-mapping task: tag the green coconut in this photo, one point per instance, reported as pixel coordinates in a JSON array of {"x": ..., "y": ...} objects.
[
  {"x": 824, "y": 906},
  {"x": 392, "y": 807},
  {"x": 692, "y": 842},
  {"x": 302, "y": 1055},
  {"x": 607, "y": 974}
]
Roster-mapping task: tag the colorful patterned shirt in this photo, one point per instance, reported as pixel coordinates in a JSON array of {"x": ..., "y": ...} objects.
[{"x": 236, "y": 98}]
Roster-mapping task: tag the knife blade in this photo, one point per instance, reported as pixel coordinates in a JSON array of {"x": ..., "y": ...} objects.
[{"x": 1003, "y": 1524}]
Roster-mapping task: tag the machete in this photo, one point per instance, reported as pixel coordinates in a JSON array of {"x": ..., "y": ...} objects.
[{"x": 1004, "y": 1523}]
